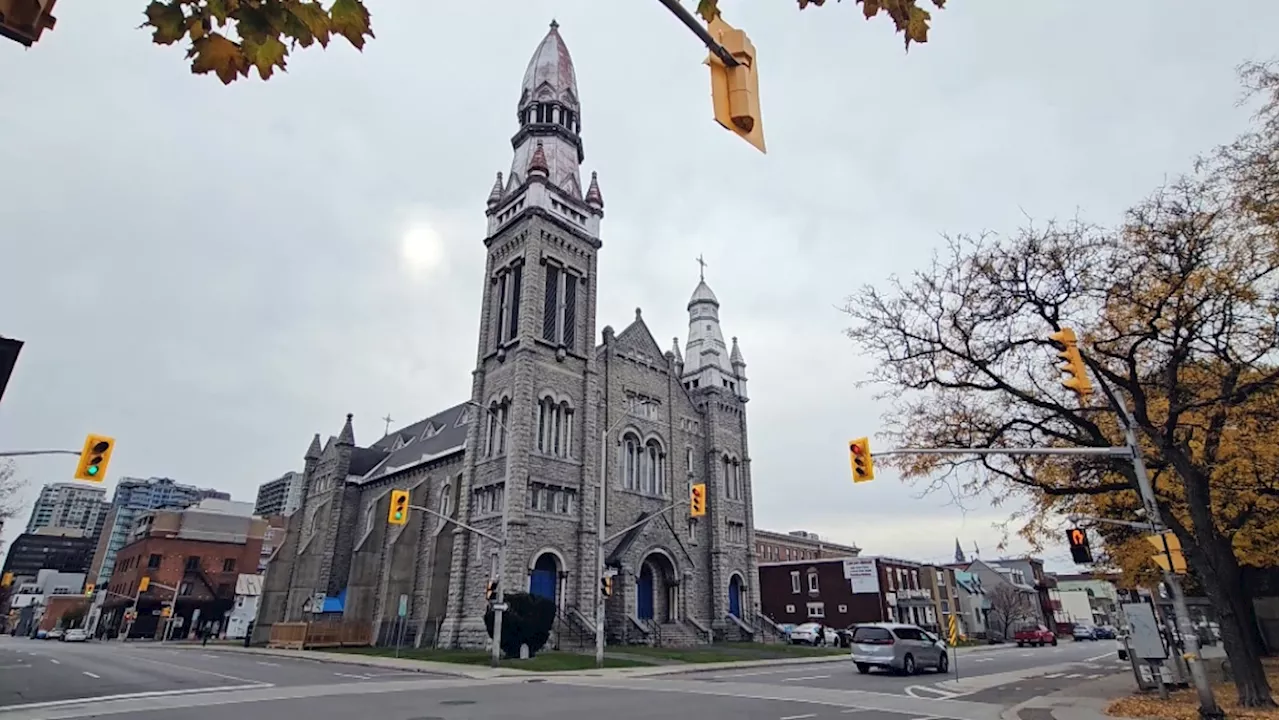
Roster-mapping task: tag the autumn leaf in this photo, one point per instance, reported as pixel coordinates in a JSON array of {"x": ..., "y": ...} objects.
[
  {"x": 908, "y": 17},
  {"x": 167, "y": 21},
  {"x": 708, "y": 10},
  {"x": 214, "y": 53},
  {"x": 307, "y": 22},
  {"x": 265, "y": 55},
  {"x": 350, "y": 19}
]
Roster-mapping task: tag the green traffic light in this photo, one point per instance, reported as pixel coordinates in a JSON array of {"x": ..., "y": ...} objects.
[{"x": 92, "y": 469}]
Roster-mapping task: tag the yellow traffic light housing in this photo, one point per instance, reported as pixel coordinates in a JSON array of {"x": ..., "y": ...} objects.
[
  {"x": 491, "y": 590},
  {"x": 23, "y": 21},
  {"x": 398, "y": 513},
  {"x": 6, "y": 580},
  {"x": 1078, "y": 375},
  {"x": 698, "y": 500},
  {"x": 88, "y": 589},
  {"x": 860, "y": 461},
  {"x": 166, "y": 611},
  {"x": 94, "y": 458},
  {"x": 143, "y": 584},
  {"x": 606, "y": 586},
  {"x": 735, "y": 91}
]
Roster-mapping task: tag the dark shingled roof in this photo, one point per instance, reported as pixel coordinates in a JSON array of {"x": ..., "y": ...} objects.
[{"x": 440, "y": 435}]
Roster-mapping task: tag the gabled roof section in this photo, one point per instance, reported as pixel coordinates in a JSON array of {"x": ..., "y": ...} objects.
[
  {"x": 637, "y": 337},
  {"x": 448, "y": 436}
]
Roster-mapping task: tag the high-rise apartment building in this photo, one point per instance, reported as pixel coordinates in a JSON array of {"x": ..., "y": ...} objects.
[
  {"x": 70, "y": 507},
  {"x": 281, "y": 496},
  {"x": 134, "y": 496}
]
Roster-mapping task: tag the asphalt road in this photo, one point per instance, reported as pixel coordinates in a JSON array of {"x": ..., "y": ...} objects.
[
  {"x": 507, "y": 699},
  {"x": 42, "y": 671},
  {"x": 1004, "y": 675}
]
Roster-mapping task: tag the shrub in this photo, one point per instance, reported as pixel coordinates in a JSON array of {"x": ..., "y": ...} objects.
[{"x": 526, "y": 621}]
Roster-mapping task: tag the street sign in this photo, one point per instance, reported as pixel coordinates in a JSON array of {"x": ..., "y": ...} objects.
[
  {"x": 610, "y": 572},
  {"x": 317, "y": 602},
  {"x": 500, "y": 607},
  {"x": 404, "y": 606}
]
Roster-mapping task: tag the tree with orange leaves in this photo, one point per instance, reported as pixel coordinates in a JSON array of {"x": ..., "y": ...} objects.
[{"x": 1176, "y": 308}]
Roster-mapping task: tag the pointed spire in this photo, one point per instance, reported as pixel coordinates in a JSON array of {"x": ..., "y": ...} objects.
[
  {"x": 313, "y": 451},
  {"x": 347, "y": 436},
  {"x": 959, "y": 552},
  {"x": 735, "y": 355},
  {"x": 594, "y": 199},
  {"x": 675, "y": 349},
  {"x": 538, "y": 163},
  {"x": 495, "y": 195}
]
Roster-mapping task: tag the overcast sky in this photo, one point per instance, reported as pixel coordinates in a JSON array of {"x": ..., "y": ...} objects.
[{"x": 211, "y": 274}]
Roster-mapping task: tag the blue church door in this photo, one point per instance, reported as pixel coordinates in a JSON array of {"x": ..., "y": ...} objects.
[
  {"x": 735, "y": 597},
  {"x": 644, "y": 594},
  {"x": 542, "y": 581}
]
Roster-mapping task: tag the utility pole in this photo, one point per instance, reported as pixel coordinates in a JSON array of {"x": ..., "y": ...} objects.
[{"x": 500, "y": 592}]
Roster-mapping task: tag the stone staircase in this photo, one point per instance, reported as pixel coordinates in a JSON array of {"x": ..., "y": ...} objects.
[{"x": 679, "y": 634}]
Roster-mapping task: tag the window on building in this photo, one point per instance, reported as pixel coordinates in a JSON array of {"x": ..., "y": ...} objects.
[
  {"x": 552, "y": 499},
  {"x": 555, "y": 427},
  {"x": 229, "y": 565},
  {"x": 629, "y": 461},
  {"x": 735, "y": 532},
  {"x": 688, "y": 461},
  {"x": 915, "y": 579},
  {"x": 813, "y": 581},
  {"x": 193, "y": 563},
  {"x": 691, "y": 525},
  {"x": 732, "y": 478},
  {"x": 842, "y": 609},
  {"x": 154, "y": 560},
  {"x": 507, "y": 319},
  {"x": 816, "y": 610},
  {"x": 489, "y": 499},
  {"x": 791, "y": 609},
  {"x": 184, "y": 588},
  {"x": 496, "y": 433},
  {"x": 560, "y": 306},
  {"x": 795, "y": 582},
  {"x": 653, "y": 481}
]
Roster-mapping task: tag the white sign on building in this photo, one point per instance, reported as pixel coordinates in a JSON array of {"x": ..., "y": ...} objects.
[{"x": 862, "y": 575}]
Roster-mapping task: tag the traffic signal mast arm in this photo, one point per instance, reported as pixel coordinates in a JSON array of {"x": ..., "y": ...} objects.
[
  {"x": 643, "y": 521},
  {"x": 20, "y": 453},
  {"x": 460, "y": 524},
  {"x": 703, "y": 34}
]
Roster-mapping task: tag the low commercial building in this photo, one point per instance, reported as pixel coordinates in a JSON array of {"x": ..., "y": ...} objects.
[
  {"x": 840, "y": 592},
  {"x": 799, "y": 545}
]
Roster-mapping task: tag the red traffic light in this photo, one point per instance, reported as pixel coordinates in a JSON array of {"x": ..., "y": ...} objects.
[{"x": 855, "y": 448}]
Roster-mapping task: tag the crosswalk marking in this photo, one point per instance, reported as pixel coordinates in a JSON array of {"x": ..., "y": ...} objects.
[
  {"x": 807, "y": 677},
  {"x": 1054, "y": 675}
]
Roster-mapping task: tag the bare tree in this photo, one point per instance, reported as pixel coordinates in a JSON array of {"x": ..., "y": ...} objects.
[
  {"x": 10, "y": 486},
  {"x": 1008, "y": 608},
  {"x": 1176, "y": 309}
]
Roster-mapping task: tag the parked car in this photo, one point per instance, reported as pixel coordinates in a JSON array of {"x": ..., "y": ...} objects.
[
  {"x": 54, "y": 634},
  {"x": 897, "y": 647},
  {"x": 807, "y": 634},
  {"x": 1105, "y": 632},
  {"x": 1084, "y": 632},
  {"x": 75, "y": 635},
  {"x": 1037, "y": 635}
]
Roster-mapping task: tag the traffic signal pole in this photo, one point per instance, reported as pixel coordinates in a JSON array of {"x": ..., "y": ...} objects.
[
  {"x": 696, "y": 27},
  {"x": 21, "y": 453}
]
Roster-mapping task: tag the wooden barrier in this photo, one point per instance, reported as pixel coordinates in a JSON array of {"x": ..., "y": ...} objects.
[{"x": 320, "y": 634}]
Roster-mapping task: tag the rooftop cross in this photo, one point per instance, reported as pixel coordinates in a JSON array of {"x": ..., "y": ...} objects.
[
  {"x": 702, "y": 268},
  {"x": 386, "y": 430}
]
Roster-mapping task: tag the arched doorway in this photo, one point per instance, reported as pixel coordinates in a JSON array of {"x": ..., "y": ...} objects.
[
  {"x": 735, "y": 596},
  {"x": 545, "y": 576},
  {"x": 657, "y": 590},
  {"x": 644, "y": 593}
]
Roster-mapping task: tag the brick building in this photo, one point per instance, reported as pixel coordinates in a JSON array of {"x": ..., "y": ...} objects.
[
  {"x": 798, "y": 545},
  {"x": 845, "y": 591},
  {"x": 199, "y": 552},
  {"x": 545, "y": 399}
]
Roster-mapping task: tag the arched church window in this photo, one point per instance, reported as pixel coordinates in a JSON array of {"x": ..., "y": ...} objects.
[
  {"x": 630, "y": 462},
  {"x": 653, "y": 468}
]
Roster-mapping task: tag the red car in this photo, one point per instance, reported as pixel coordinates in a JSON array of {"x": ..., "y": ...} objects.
[{"x": 1037, "y": 635}]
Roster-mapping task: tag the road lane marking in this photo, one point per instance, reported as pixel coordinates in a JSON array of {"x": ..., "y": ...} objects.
[
  {"x": 978, "y": 660},
  {"x": 1053, "y": 675},
  {"x": 806, "y": 677},
  {"x": 268, "y": 664},
  {"x": 357, "y": 677},
  {"x": 753, "y": 673},
  {"x": 132, "y": 696},
  {"x": 1024, "y": 654},
  {"x": 938, "y": 693},
  {"x": 1073, "y": 675},
  {"x": 798, "y": 717},
  {"x": 853, "y": 710},
  {"x": 1098, "y": 657},
  {"x": 188, "y": 668},
  {"x": 95, "y": 677},
  {"x": 55, "y": 662}
]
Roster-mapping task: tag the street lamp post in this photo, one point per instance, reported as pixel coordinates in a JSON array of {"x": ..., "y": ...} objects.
[
  {"x": 500, "y": 586},
  {"x": 600, "y": 538}
]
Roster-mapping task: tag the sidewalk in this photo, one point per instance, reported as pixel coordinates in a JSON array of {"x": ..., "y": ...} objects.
[
  {"x": 1085, "y": 701},
  {"x": 477, "y": 672}
]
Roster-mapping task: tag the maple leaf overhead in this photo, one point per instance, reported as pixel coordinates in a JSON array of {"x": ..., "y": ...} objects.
[
  {"x": 908, "y": 17},
  {"x": 228, "y": 37}
]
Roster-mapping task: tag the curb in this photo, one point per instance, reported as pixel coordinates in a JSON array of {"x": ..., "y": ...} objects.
[{"x": 407, "y": 665}]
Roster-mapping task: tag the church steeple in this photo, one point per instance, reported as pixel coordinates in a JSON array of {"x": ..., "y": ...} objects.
[
  {"x": 708, "y": 361},
  {"x": 547, "y": 148}
]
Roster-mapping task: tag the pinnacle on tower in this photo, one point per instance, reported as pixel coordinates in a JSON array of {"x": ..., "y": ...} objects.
[
  {"x": 594, "y": 199},
  {"x": 735, "y": 355},
  {"x": 313, "y": 451},
  {"x": 495, "y": 195},
  {"x": 538, "y": 163},
  {"x": 675, "y": 349},
  {"x": 347, "y": 436}
]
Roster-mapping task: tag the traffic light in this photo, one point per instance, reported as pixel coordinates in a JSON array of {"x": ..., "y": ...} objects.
[
  {"x": 398, "y": 514},
  {"x": 6, "y": 580},
  {"x": 1078, "y": 539},
  {"x": 735, "y": 91},
  {"x": 698, "y": 500},
  {"x": 166, "y": 611},
  {"x": 88, "y": 590},
  {"x": 606, "y": 586},
  {"x": 864, "y": 468},
  {"x": 143, "y": 584},
  {"x": 491, "y": 590},
  {"x": 24, "y": 20},
  {"x": 1078, "y": 380},
  {"x": 94, "y": 458}
]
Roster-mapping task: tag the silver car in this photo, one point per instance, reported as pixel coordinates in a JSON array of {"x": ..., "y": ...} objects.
[{"x": 893, "y": 646}]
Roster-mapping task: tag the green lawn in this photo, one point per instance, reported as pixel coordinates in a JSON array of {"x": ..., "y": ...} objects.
[
  {"x": 548, "y": 661},
  {"x": 730, "y": 652}
]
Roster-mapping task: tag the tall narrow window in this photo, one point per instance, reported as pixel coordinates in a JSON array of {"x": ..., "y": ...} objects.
[
  {"x": 570, "y": 310},
  {"x": 551, "y": 304},
  {"x": 499, "y": 331},
  {"x": 513, "y": 326}
]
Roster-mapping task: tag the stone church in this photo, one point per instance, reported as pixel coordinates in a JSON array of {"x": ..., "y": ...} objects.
[{"x": 546, "y": 402}]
